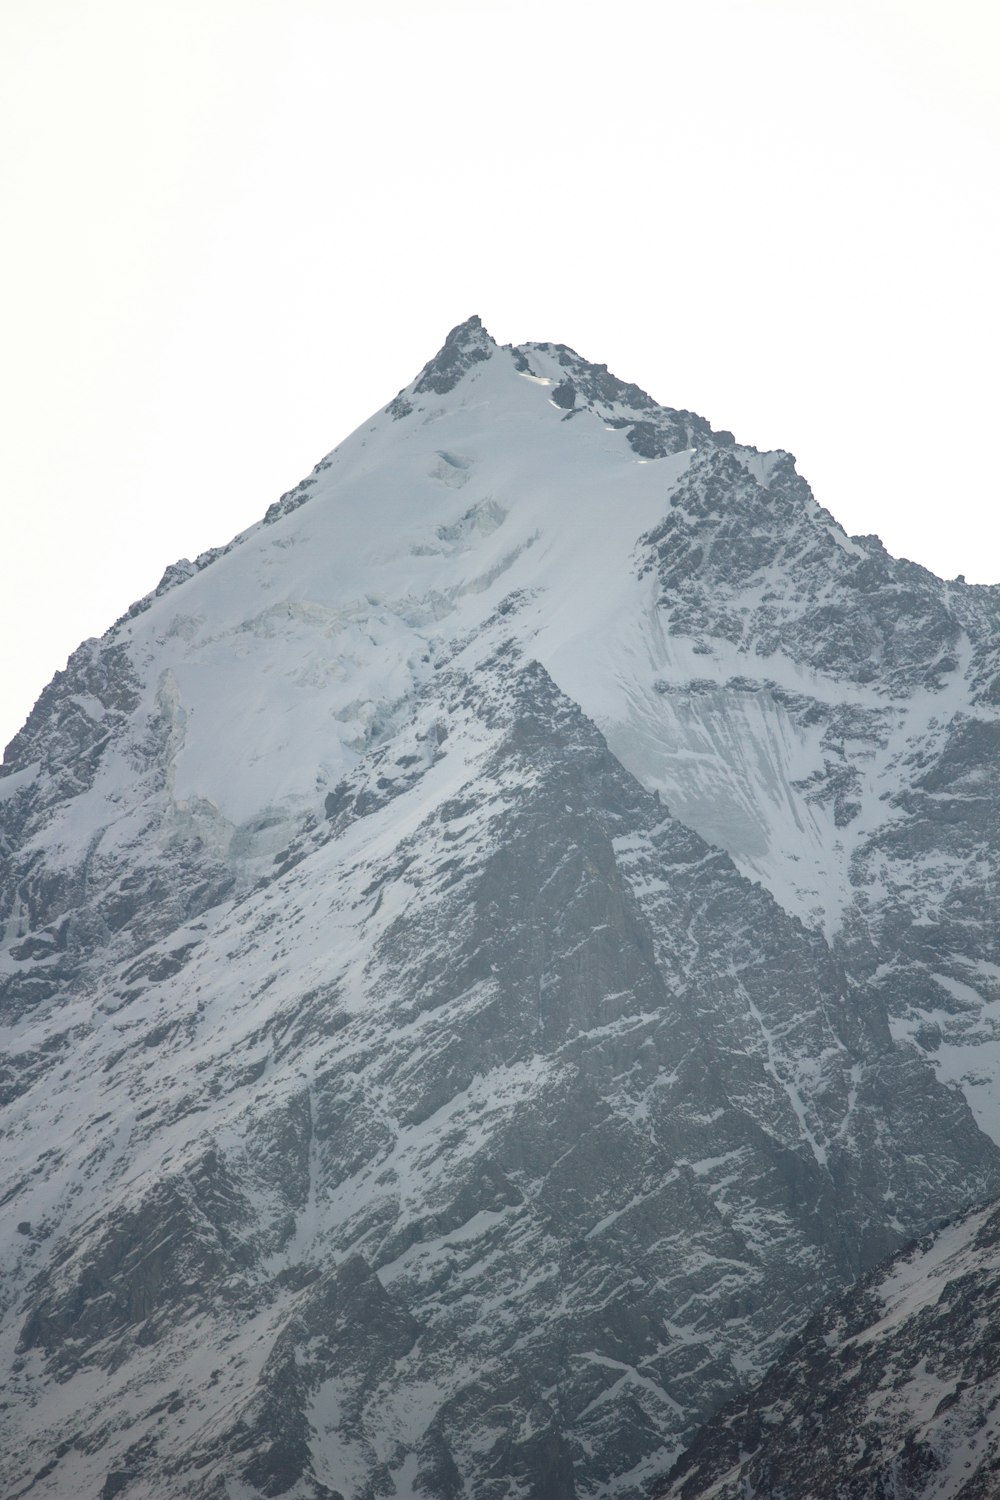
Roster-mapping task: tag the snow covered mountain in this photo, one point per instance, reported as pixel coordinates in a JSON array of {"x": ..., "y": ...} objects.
[
  {"x": 893, "y": 1391},
  {"x": 485, "y": 954}
]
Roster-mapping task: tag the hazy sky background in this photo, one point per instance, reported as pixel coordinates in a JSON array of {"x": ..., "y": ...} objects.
[{"x": 233, "y": 228}]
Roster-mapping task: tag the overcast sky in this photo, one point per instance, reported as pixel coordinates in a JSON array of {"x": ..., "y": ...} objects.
[{"x": 233, "y": 228}]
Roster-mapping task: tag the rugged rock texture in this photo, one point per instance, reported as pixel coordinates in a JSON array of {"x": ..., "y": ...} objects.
[
  {"x": 485, "y": 954},
  {"x": 891, "y": 1391}
]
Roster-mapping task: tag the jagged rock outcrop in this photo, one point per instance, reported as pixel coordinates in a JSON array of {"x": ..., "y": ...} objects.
[{"x": 892, "y": 1390}]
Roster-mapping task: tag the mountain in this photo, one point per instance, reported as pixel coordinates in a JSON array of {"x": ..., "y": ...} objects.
[
  {"x": 894, "y": 1390},
  {"x": 485, "y": 955}
]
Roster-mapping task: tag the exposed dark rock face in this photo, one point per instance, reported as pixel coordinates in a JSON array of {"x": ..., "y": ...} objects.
[
  {"x": 729, "y": 537},
  {"x": 458, "y": 1029},
  {"x": 894, "y": 1389},
  {"x": 652, "y": 430},
  {"x": 466, "y": 345}
]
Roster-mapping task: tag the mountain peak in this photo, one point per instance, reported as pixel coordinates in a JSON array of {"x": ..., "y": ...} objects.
[
  {"x": 467, "y": 344},
  {"x": 471, "y": 330},
  {"x": 484, "y": 954}
]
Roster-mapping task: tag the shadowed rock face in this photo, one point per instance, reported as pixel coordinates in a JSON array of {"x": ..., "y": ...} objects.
[
  {"x": 445, "y": 1115},
  {"x": 136, "y": 1273},
  {"x": 892, "y": 1389}
]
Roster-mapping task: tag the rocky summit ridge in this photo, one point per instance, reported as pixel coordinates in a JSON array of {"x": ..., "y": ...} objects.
[{"x": 485, "y": 954}]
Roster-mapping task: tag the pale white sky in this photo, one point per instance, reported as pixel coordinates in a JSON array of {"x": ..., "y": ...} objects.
[{"x": 234, "y": 228}]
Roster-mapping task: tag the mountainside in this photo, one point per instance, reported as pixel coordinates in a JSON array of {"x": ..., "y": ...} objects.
[
  {"x": 485, "y": 954},
  {"x": 893, "y": 1391}
]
